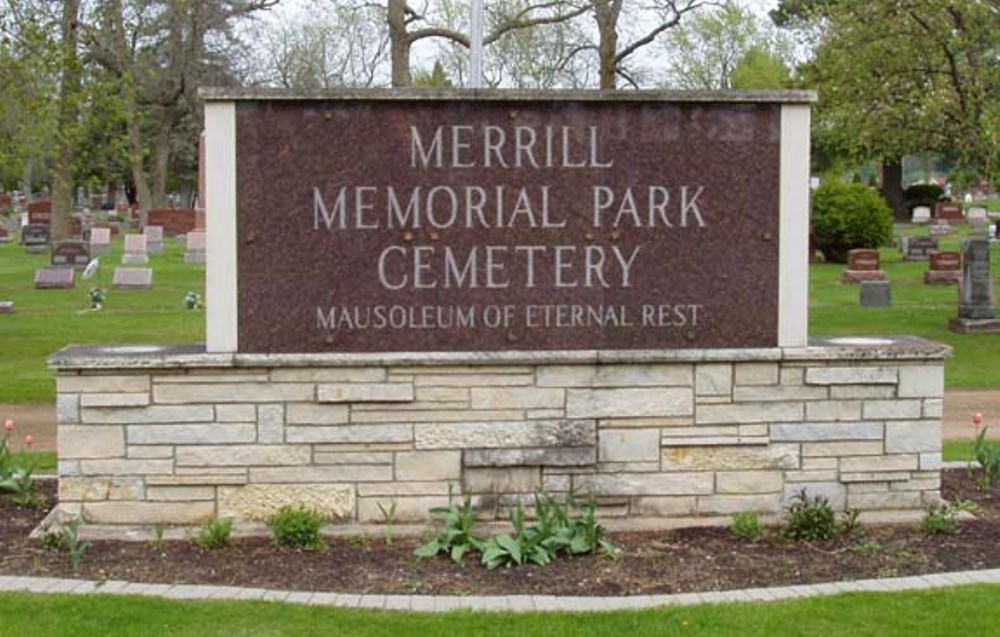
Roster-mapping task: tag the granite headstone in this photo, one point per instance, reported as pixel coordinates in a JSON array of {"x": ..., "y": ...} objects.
[
  {"x": 863, "y": 264},
  {"x": 100, "y": 241},
  {"x": 135, "y": 250},
  {"x": 920, "y": 248},
  {"x": 35, "y": 238},
  {"x": 138, "y": 278},
  {"x": 876, "y": 294},
  {"x": 55, "y": 278},
  {"x": 154, "y": 239},
  {"x": 977, "y": 305},
  {"x": 195, "y": 247},
  {"x": 921, "y": 215},
  {"x": 945, "y": 268},
  {"x": 74, "y": 254}
]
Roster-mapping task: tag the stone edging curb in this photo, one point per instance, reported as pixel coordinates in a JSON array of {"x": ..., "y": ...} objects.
[{"x": 497, "y": 603}]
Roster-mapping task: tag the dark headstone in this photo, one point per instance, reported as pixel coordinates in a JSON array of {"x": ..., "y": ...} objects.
[
  {"x": 55, "y": 278},
  {"x": 945, "y": 268},
  {"x": 6, "y": 201},
  {"x": 977, "y": 304},
  {"x": 876, "y": 294},
  {"x": 74, "y": 254},
  {"x": 174, "y": 221},
  {"x": 141, "y": 278},
  {"x": 40, "y": 212},
  {"x": 920, "y": 248},
  {"x": 948, "y": 212},
  {"x": 863, "y": 265},
  {"x": 4, "y": 235},
  {"x": 35, "y": 238}
]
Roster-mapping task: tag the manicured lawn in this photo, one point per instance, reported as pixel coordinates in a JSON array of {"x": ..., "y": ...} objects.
[
  {"x": 917, "y": 309},
  {"x": 969, "y": 610},
  {"x": 47, "y": 320},
  {"x": 956, "y": 450}
]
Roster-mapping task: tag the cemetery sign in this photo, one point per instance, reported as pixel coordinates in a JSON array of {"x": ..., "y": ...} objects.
[{"x": 500, "y": 224}]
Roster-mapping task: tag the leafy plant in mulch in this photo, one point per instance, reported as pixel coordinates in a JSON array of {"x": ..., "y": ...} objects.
[
  {"x": 67, "y": 539},
  {"x": 297, "y": 527},
  {"x": 986, "y": 454},
  {"x": 456, "y": 538},
  {"x": 16, "y": 474},
  {"x": 215, "y": 534},
  {"x": 746, "y": 526},
  {"x": 939, "y": 520},
  {"x": 811, "y": 518}
]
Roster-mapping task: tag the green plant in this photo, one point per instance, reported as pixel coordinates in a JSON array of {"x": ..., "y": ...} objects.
[
  {"x": 97, "y": 297},
  {"x": 157, "y": 541},
  {"x": 297, "y": 527},
  {"x": 215, "y": 534},
  {"x": 939, "y": 520},
  {"x": 745, "y": 526},
  {"x": 67, "y": 539},
  {"x": 388, "y": 520},
  {"x": 987, "y": 454},
  {"x": 848, "y": 216},
  {"x": 192, "y": 300},
  {"x": 809, "y": 518},
  {"x": 867, "y": 548},
  {"x": 456, "y": 538},
  {"x": 16, "y": 470}
]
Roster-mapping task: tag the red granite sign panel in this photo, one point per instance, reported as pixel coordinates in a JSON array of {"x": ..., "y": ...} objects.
[{"x": 502, "y": 225}]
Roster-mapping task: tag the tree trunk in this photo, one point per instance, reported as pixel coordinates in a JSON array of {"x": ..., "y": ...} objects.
[
  {"x": 69, "y": 90},
  {"x": 160, "y": 154},
  {"x": 892, "y": 187},
  {"x": 399, "y": 43},
  {"x": 606, "y": 14},
  {"x": 135, "y": 158}
]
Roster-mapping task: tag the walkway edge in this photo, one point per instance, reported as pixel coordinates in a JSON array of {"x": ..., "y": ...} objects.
[{"x": 502, "y": 603}]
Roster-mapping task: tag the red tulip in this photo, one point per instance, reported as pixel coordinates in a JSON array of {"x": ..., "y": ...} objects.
[
  {"x": 29, "y": 440},
  {"x": 8, "y": 425},
  {"x": 977, "y": 419}
]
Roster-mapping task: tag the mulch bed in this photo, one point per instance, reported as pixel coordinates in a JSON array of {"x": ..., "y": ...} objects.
[{"x": 677, "y": 561}]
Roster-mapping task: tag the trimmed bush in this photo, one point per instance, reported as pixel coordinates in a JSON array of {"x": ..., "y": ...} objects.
[{"x": 849, "y": 216}]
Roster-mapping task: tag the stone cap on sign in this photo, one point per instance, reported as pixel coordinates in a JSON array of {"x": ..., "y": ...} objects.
[
  {"x": 194, "y": 355},
  {"x": 223, "y": 94}
]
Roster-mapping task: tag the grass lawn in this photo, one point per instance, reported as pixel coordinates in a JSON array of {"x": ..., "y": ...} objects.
[
  {"x": 967, "y": 610},
  {"x": 47, "y": 320},
  {"x": 956, "y": 450}
]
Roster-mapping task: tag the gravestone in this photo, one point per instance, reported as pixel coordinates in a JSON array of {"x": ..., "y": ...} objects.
[
  {"x": 100, "y": 241},
  {"x": 977, "y": 305},
  {"x": 174, "y": 221},
  {"x": 55, "y": 278},
  {"x": 948, "y": 212},
  {"x": 135, "y": 250},
  {"x": 863, "y": 265},
  {"x": 4, "y": 235},
  {"x": 921, "y": 215},
  {"x": 6, "y": 307},
  {"x": 195, "y": 251},
  {"x": 40, "y": 212},
  {"x": 154, "y": 239},
  {"x": 977, "y": 219},
  {"x": 35, "y": 238},
  {"x": 876, "y": 294},
  {"x": 945, "y": 268},
  {"x": 135, "y": 278},
  {"x": 74, "y": 254},
  {"x": 904, "y": 241},
  {"x": 994, "y": 232},
  {"x": 920, "y": 248},
  {"x": 6, "y": 201},
  {"x": 940, "y": 230}
]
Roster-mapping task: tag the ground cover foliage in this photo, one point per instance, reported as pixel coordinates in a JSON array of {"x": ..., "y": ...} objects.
[{"x": 688, "y": 560}]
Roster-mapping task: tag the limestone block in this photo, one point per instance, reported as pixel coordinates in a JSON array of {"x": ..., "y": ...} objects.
[
  {"x": 827, "y": 410},
  {"x": 442, "y": 394},
  {"x": 98, "y": 489},
  {"x": 632, "y": 375},
  {"x": 403, "y": 489},
  {"x": 713, "y": 379},
  {"x": 398, "y": 411},
  {"x": 312, "y": 414},
  {"x": 733, "y": 504},
  {"x": 261, "y": 501},
  {"x": 556, "y": 483},
  {"x": 881, "y": 501},
  {"x": 881, "y": 477},
  {"x": 921, "y": 381},
  {"x": 867, "y": 487},
  {"x": 244, "y": 455},
  {"x": 438, "y": 379},
  {"x": 834, "y": 492},
  {"x": 913, "y": 436},
  {"x": 68, "y": 468},
  {"x": 329, "y": 375},
  {"x": 704, "y": 431},
  {"x": 837, "y": 449},
  {"x": 730, "y": 457},
  {"x": 755, "y": 373},
  {"x": 846, "y": 392},
  {"x": 67, "y": 409},
  {"x": 235, "y": 413},
  {"x": 124, "y": 399},
  {"x": 628, "y": 445},
  {"x": 408, "y": 509},
  {"x": 748, "y": 481},
  {"x": 271, "y": 424},
  {"x": 749, "y": 413},
  {"x": 851, "y": 376},
  {"x": 664, "y": 506},
  {"x": 896, "y": 462},
  {"x": 78, "y": 441},
  {"x": 933, "y": 408},
  {"x": 810, "y": 464},
  {"x": 889, "y": 409},
  {"x": 214, "y": 478},
  {"x": 628, "y": 467},
  {"x": 544, "y": 414},
  {"x": 754, "y": 431},
  {"x": 535, "y": 456},
  {"x": 930, "y": 461},
  {"x": 350, "y": 434},
  {"x": 792, "y": 376},
  {"x": 501, "y": 480},
  {"x": 428, "y": 465},
  {"x": 533, "y": 433},
  {"x": 812, "y": 475},
  {"x": 233, "y": 393},
  {"x": 365, "y": 393},
  {"x": 101, "y": 384},
  {"x": 517, "y": 398},
  {"x": 150, "y": 451},
  {"x": 776, "y": 393},
  {"x": 824, "y": 431},
  {"x": 148, "y": 512},
  {"x": 322, "y": 474},
  {"x": 184, "y": 434},
  {"x": 168, "y": 414},
  {"x": 352, "y": 457},
  {"x": 431, "y": 416},
  {"x": 629, "y": 402},
  {"x": 617, "y": 423},
  {"x": 180, "y": 494},
  {"x": 126, "y": 467},
  {"x": 640, "y": 484}
]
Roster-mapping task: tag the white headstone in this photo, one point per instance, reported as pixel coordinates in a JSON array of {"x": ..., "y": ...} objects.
[
  {"x": 100, "y": 241},
  {"x": 135, "y": 250},
  {"x": 921, "y": 214}
]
